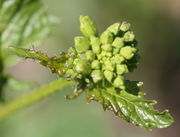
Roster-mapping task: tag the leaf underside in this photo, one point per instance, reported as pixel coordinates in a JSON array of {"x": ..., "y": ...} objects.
[{"x": 133, "y": 109}]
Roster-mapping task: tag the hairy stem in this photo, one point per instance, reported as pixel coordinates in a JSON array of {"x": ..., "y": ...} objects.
[{"x": 33, "y": 97}]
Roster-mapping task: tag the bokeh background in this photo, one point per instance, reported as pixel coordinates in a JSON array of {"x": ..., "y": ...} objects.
[{"x": 156, "y": 24}]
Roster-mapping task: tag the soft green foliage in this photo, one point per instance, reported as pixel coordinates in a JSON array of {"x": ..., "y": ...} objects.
[
  {"x": 22, "y": 23},
  {"x": 56, "y": 64},
  {"x": 131, "y": 108},
  {"x": 98, "y": 66}
]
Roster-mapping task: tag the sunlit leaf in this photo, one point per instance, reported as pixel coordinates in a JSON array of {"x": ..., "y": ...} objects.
[
  {"x": 56, "y": 64},
  {"x": 133, "y": 109}
]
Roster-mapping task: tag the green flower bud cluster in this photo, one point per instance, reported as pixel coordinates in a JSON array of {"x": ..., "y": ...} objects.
[{"x": 106, "y": 58}]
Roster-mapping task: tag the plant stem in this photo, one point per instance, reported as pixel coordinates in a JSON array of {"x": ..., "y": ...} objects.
[
  {"x": 1, "y": 73},
  {"x": 33, "y": 97}
]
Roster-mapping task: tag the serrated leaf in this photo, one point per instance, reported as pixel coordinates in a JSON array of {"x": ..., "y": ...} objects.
[
  {"x": 24, "y": 22},
  {"x": 56, "y": 64},
  {"x": 132, "y": 108}
]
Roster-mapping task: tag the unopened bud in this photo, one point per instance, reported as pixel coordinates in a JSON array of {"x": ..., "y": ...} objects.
[
  {"x": 117, "y": 59},
  {"x": 88, "y": 26},
  {"x": 69, "y": 63},
  {"x": 118, "y": 43},
  {"x": 129, "y": 36},
  {"x": 114, "y": 28},
  {"x": 109, "y": 54},
  {"x": 115, "y": 51},
  {"x": 127, "y": 52},
  {"x": 103, "y": 53},
  {"x": 125, "y": 26},
  {"x": 96, "y": 75},
  {"x": 108, "y": 66},
  {"x": 95, "y": 43},
  {"x": 106, "y": 47},
  {"x": 108, "y": 75},
  {"x": 82, "y": 67},
  {"x": 81, "y": 44},
  {"x": 121, "y": 69},
  {"x": 90, "y": 55},
  {"x": 106, "y": 37},
  {"x": 70, "y": 73},
  {"x": 119, "y": 82},
  {"x": 72, "y": 51},
  {"x": 95, "y": 64}
]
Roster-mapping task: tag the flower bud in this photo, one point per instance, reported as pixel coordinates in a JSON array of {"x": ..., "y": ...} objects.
[
  {"x": 82, "y": 67},
  {"x": 114, "y": 28},
  {"x": 109, "y": 54},
  {"x": 118, "y": 42},
  {"x": 95, "y": 43},
  {"x": 125, "y": 26},
  {"x": 96, "y": 75},
  {"x": 105, "y": 58},
  {"x": 103, "y": 53},
  {"x": 119, "y": 82},
  {"x": 72, "y": 51},
  {"x": 99, "y": 57},
  {"x": 127, "y": 52},
  {"x": 69, "y": 63},
  {"x": 129, "y": 36},
  {"x": 108, "y": 66},
  {"x": 95, "y": 64},
  {"x": 106, "y": 47},
  {"x": 70, "y": 73},
  {"x": 117, "y": 59},
  {"x": 81, "y": 56},
  {"x": 115, "y": 51},
  {"x": 90, "y": 55},
  {"x": 106, "y": 37},
  {"x": 121, "y": 69},
  {"x": 81, "y": 44},
  {"x": 108, "y": 75},
  {"x": 76, "y": 61},
  {"x": 139, "y": 84},
  {"x": 87, "y": 80},
  {"x": 88, "y": 26}
]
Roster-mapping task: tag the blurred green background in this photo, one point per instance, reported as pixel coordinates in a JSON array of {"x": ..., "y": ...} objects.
[{"x": 156, "y": 24}]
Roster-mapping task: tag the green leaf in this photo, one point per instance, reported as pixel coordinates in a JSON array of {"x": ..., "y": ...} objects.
[
  {"x": 133, "y": 109},
  {"x": 23, "y": 23},
  {"x": 56, "y": 64},
  {"x": 15, "y": 84},
  {"x": 27, "y": 53}
]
